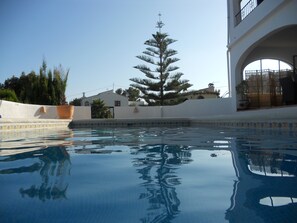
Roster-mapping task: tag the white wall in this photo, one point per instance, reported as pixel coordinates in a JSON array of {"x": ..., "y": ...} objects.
[
  {"x": 199, "y": 108},
  {"x": 188, "y": 109},
  {"x": 140, "y": 112},
  {"x": 82, "y": 112},
  {"x": 12, "y": 110}
]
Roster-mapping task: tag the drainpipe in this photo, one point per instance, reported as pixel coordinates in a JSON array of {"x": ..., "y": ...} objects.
[
  {"x": 228, "y": 73},
  {"x": 261, "y": 76},
  {"x": 279, "y": 75},
  {"x": 228, "y": 51},
  {"x": 294, "y": 65}
]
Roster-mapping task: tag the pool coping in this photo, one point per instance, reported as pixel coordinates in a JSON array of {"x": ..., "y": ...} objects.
[
  {"x": 218, "y": 121},
  {"x": 257, "y": 124},
  {"x": 150, "y": 122},
  {"x": 24, "y": 124},
  {"x": 290, "y": 124}
]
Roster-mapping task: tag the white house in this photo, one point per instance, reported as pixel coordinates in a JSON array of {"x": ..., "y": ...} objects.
[
  {"x": 110, "y": 99},
  {"x": 259, "y": 29}
]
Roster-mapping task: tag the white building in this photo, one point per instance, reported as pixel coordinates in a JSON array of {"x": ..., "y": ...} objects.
[
  {"x": 110, "y": 99},
  {"x": 259, "y": 29},
  {"x": 204, "y": 93}
]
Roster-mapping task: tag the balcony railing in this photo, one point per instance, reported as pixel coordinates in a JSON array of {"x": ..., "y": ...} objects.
[{"x": 246, "y": 10}]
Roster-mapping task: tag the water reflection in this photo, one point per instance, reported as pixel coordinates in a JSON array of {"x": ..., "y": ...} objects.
[
  {"x": 42, "y": 152},
  {"x": 273, "y": 164},
  {"x": 55, "y": 167},
  {"x": 157, "y": 165},
  {"x": 265, "y": 164},
  {"x": 267, "y": 178}
]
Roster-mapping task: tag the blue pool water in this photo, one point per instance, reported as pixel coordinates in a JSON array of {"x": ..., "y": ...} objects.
[{"x": 148, "y": 175}]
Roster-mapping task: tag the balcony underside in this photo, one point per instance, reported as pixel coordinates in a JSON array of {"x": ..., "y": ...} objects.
[{"x": 274, "y": 88}]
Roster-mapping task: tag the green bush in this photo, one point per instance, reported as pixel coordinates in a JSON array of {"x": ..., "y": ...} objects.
[{"x": 8, "y": 95}]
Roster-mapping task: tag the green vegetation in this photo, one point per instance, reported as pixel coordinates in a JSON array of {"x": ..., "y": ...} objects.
[
  {"x": 99, "y": 110},
  {"x": 47, "y": 88},
  {"x": 8, "y": 95},
  {"x": 160, "y": 86},
  {"x": 75, "y": 102},
  {"x": 131, "y": 93}
]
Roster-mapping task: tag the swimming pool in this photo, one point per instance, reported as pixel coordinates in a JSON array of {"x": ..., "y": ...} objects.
[{"x": 149, "y": 175}]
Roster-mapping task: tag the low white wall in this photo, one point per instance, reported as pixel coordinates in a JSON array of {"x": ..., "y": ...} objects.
[
  {"x": 199, "y": 108},
  {"x": 82, "y": 112},
  {"x": 138, "y": 112},
  {"x": 188, "y": 109},
  {"x": 11, "y": 110}
]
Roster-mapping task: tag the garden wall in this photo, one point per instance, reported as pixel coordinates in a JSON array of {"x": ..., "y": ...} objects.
[
  {"x": 13, "y": 110},
  {"x": 187, "y": 109}
]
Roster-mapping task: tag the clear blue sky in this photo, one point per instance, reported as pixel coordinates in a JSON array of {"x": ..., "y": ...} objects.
[{"x": 100, "y": 39}]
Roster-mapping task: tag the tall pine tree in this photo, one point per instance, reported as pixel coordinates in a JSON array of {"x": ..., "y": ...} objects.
[{"x": 160, "y": 86}]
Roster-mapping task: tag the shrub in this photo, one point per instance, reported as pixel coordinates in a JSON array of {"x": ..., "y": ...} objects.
[{"x": 99, "y": 110}]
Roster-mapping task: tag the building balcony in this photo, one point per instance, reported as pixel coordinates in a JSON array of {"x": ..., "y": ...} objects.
[{"x": 246, "y": 10}]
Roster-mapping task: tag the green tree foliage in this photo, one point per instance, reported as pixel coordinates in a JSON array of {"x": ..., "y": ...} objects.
[
  {"x": 42, "y": 86},
  {"x": 163, "y": 84},
  {"x": 120, "y": 91},
  {"x": 76, "y": 102},
  {"x": 28, "y": 87},
  {"x": 46, "y": 88},
  {"x": 8, "y": 95},
  {"x": 13, "y": 84},
  {"x": 99, "y": 110},
  {"x": 60, "y": 84},
  {"x": 132, "y": 93},
  {"x": 51, "y": 88}
]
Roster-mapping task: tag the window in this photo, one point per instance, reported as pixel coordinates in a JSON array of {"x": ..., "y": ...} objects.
[
  {"x": 117, "y": 103},
  {"x": 87, "y": 103}
]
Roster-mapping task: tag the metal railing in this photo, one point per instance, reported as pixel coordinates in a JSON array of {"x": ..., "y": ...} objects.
[{"x": 246, "y": 10}]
